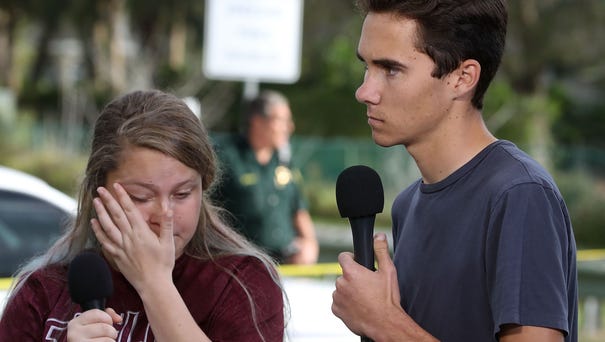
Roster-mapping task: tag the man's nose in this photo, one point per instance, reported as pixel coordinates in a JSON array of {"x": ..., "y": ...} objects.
[{"x": 367, "y": 92}]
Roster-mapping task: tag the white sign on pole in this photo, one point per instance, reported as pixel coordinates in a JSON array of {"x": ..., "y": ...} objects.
[{"x": 253, "y": 40}]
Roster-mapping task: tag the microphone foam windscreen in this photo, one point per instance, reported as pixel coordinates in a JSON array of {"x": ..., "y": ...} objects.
[
  {"x": 359, "y": 192},
  {"x": 89, "y": 278}
]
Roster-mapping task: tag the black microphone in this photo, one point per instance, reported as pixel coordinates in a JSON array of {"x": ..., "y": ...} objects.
[
  {"x": 359, "y": 196},
  {"x": 89, "y": 281}
]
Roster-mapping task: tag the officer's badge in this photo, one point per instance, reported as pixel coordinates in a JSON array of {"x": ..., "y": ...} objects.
[
  {"x": 248, "y": 179},
  {"x": 283, "y": 176}
]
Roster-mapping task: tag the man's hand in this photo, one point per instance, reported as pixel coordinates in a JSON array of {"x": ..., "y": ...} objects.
[{"x": 369, "y": 302}]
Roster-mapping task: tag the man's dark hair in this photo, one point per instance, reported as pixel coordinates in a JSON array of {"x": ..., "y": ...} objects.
[
  {"x": 260, "y": 105},
  {"x": 451, "y": 31}
]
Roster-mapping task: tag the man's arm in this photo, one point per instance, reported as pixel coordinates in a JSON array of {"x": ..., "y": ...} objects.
[
  {"x": 306, "y": 240},
  {"x": 518, "y": 333}
]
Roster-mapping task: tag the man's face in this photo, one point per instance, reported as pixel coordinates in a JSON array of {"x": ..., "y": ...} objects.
[
  {"x": 279, "y": 125},
  {"x": 405, "y": 104}
]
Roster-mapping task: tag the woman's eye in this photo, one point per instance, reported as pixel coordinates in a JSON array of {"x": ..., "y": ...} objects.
[
  {"x": 182, "y": 195},
  {"x": 138, "y": 199}
]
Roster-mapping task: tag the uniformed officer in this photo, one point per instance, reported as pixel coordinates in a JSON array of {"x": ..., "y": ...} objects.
[{"x": 259, "y": 186}]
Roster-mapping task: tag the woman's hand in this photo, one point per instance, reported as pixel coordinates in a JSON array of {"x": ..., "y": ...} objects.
[
  {"x": 141, "y": 255},
  {"x": 93, "y": 324}
]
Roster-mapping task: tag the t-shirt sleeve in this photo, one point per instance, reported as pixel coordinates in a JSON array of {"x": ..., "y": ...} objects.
[
  {"x": 528, "y": 258},
  {"x": 23, "y": 319},
  {"x": 251, "y": 306}
]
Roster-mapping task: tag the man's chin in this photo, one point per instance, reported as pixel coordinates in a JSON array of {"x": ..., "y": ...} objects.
[{"x": 381, "y": 141}]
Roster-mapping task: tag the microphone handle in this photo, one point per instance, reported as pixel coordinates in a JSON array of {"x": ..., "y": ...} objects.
[
  {"x": 363, "y": 245},
  {"x": 93, "y": 304},
  {"x": 363, "y": 240}
]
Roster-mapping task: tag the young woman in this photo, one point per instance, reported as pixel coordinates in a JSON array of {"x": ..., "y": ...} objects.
[{"x": 179, "y": 272}]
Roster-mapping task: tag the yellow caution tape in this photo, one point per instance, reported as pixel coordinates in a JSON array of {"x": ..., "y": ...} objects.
[
  {"x": 5, "y": 283},
  {"x": 317, "y": 270},
  {"x": 591, "y": 254},
  {"x": 333, "y": 269}
]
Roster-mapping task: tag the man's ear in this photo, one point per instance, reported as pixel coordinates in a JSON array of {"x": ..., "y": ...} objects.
[{"x": 466, "y": 77}]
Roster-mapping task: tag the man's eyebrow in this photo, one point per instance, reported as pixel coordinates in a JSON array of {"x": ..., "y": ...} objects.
[
  {"x": 383, "y": 62},
  {"x": 389, "y": 63}
]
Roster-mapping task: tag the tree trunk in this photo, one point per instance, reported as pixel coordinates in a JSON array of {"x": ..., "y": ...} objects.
[
  {"x": 118, "y": 45},
  {"x": 178, "y": 43},
  {"x": 6, "y": 31}
]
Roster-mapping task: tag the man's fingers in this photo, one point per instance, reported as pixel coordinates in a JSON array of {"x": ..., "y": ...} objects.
[
  {"x": 386, "y": 266},
  {"x": 381, "y": 250},
  {"x": 350, "y": 267},
  {"x": 345, "y": 259}
]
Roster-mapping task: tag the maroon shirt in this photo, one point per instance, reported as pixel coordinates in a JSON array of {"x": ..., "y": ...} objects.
[{"x": 41, "y": 309}]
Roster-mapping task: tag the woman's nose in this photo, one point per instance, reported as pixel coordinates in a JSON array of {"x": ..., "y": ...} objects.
[{"x": 160, "y": 208}]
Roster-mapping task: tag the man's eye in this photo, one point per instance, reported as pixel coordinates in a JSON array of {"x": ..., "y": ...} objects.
[{"x": 392, "y": 71}]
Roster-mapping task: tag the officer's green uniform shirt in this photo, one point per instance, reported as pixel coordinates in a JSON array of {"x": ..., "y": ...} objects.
[{"x": 263, "y": 198}]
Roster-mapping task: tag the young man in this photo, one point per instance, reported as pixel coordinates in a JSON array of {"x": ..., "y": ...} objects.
[
  {"x": 259, "y": 186},
  {"x": 483, "y": 244}
]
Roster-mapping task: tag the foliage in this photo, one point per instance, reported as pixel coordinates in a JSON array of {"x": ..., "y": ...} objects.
[
  {"x": 52, "y": 165},
  {"x": 582, "y": 122},
  {"x": 547, "y": 94},
  {"x": 586, "y": 203},
  {"x": 49, "y": 161}
]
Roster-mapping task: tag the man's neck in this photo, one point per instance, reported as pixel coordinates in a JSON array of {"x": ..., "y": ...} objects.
[
  {"x": 261, "y": 146},
  {"x": 441, "y": 154},
  {"x": 263, "y": 155}
]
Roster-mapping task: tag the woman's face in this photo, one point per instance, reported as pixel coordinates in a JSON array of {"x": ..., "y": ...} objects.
[{"x": 155, "y": 183}]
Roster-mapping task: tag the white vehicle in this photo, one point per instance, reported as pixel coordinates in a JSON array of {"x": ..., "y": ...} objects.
[{"x": 32, "y": 215}]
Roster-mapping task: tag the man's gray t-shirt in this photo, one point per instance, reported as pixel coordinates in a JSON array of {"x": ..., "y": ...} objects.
[{"x": 491, "y": 244}]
